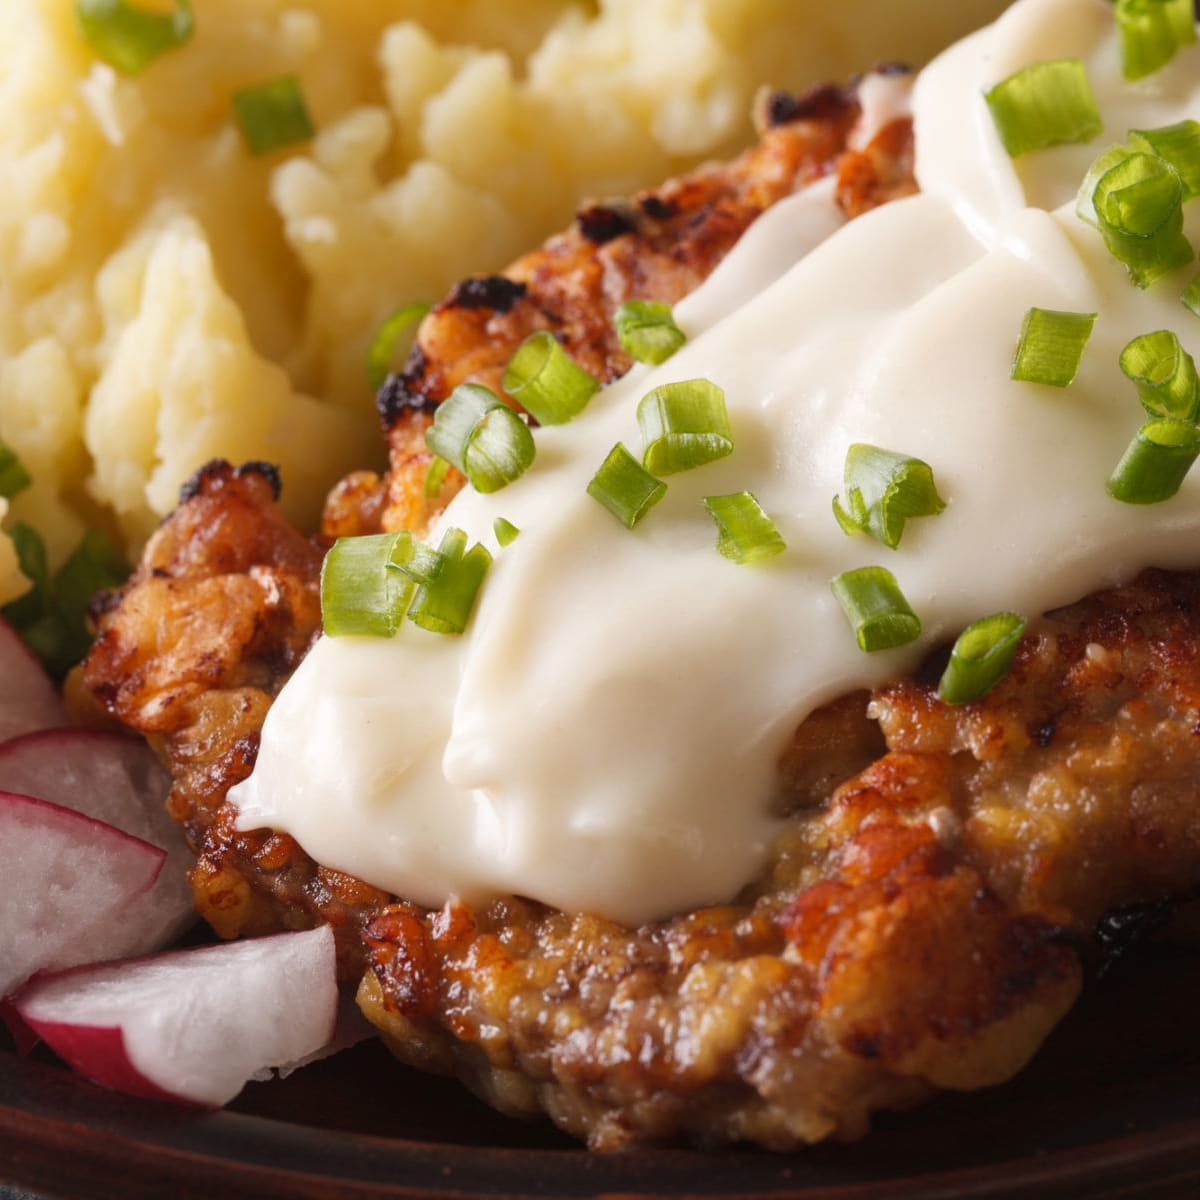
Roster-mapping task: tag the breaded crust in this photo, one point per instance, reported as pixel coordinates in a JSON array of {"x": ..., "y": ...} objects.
[
  {"x": 925, "y": 916},
  {"x": 659, "y": 245}
]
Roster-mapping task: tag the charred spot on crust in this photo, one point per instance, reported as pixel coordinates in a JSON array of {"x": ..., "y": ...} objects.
[
  {"x": 657, "y": 208},
  {"x": 600, "y": 223},
  {"x": 1044, "y": 734},
  {"x": 264, "y": 470},
  {"x": 818, "y": 103},
  {"x": 213, "y": 470},
  {"x": 486, "y": 291},
  {"x": 219, "y": 471},
  {"x": 397, "y": 396}
]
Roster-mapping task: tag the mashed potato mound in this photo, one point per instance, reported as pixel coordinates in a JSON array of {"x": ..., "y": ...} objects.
[{"x": 165, "y": 296}]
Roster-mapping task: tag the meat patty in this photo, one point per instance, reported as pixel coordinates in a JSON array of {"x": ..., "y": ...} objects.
[
  {"x": 660, "y": 245},
  {"x": 922, "y": 921}
]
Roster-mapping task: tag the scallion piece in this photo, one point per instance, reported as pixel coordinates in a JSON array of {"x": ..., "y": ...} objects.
[
  {"x": 1164, "y": 374},
  {"x": 1044, "y": 104},
  {"x": 435, "y": 477},
  {"x": 385, "y": 345},
  {"x": 129, "y": 38},
  {"x": 684, "y": 425},
  {"x": 273, "y": 115},
  {"x": 1179, "y": 144},
  {"x": 1191, "y": 296},
  {"x": 625, "y": 487},
  {"x": 362, "y": 595},
  {"x": 647, "y": 330},
  {"x": 876, "y": 608},
  {"x": 1085, "y": 200},
  {"x": 1050, "y": 347},
  {"x": 1153, "y": 468},
  {"x": 547, "y": 382},
  {"x": 13, "y": 476},
  {"x": 1151, "y": 31},
  {"x": 744, "y": 531},
  {"x": 1138, "y": 204},
  {"x": 506, "y": 532},
  {"x": 479, "y": 434},
  {"x": 443, "y": 604},
  {"x": 883, "y": 490},
  {"x": 981, "y": 657}
]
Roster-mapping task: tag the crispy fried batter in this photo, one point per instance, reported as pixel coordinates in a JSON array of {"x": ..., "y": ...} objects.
[
  {"x": 922, "y": 921},
  {"x": 659, "y": 246}
]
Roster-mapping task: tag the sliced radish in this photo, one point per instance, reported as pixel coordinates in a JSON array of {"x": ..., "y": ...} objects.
[
  {"x": 350, "y": 1027},
  {"x": 28, "y": 700},
  {"x": 192, "y": 1025},
  {"x": 67, "y": 878},
  {"x": 117, "y": 780}
]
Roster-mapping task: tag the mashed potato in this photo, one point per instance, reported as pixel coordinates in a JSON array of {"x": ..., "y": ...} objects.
[{"x": 165, "y": 296}]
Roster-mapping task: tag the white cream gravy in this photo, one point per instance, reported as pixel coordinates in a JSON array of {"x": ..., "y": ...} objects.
[{"x": 605, "y": 736}]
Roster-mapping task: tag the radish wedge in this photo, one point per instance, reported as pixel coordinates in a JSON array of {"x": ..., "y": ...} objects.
[
  {"x": 67, "y": 879},
  {"x": 117, "y": 780},
  {"x": 192, "y": 1025},
  {"x": 28, "y": 699}
]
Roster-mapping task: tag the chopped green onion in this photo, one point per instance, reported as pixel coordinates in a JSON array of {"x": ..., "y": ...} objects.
[
  {"x": 420, "y": 561},
  {"x": 443, "y": 603},
  {"x": 647, "y": 330},
  {"x": 130, "y": 38},
  {"x": 1044, "y": 104},
  {"x": 1138, "y": 204},
  {"x": 384, "y": 347},
  {"x": 1179, "y": 144},
  {"x": 479, "y": 434},
  {"x": 625, "y": 487},
  {"x": 744, "y": 532},
  {"x": 1085, "y": 200},
  {"x": 1151, "y": 31},
  {"x": 273, "y": 115},
  {"x": 883, "y": 490},
  {"x": 1153, "y": 468},
  {"x": 1191, "y": 296},
  {"x": 1051, "y": 346},
  {"x": 1164, "y": 374},
  {"x": 435, "y": 477},
  {"x": 506, "y": 532},
  {"x": 361, "y": 596},
  {"x": 876, "y": 608},
  {"x": 547, "y": 382},
  {"x": 684, "y": 425},
  {"x": 13, "y": 476},
  {"x": 981, "y": 657}
]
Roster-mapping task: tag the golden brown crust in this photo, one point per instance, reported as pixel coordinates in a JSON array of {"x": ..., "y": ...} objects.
[
  {"x": 922, "y": 920},
  {"x": 659, "y": 245}
]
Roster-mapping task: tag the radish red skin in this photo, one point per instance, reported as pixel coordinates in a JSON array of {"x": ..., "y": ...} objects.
[
  {"x": 98, "y": 1053},
  {"x": 192, "y": 1026}
]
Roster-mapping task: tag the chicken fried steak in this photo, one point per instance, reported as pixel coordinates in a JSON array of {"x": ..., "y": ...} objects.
[{"x": 921, "y": 923}]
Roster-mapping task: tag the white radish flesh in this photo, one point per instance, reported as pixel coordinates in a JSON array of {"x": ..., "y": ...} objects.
[
  {"x": 67, "y": 880},
  {"x": 28, "y": 698},
  {"x": 192, "y": 1025},
  {"x": 117, "y": 780}
]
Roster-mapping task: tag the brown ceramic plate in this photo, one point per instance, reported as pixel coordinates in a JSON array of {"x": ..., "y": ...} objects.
[{"x": 1110, "y": 1108}]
